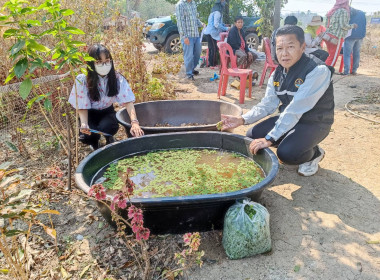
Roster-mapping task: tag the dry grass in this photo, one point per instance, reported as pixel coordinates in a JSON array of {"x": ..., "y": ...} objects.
[{"x": 371, "y": 43}]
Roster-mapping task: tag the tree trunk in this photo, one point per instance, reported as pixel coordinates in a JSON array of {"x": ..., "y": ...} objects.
[
  {"x": 277, "y": 14},
  {"x": 136, "y": 6},
  {"x": 226, "y": 13}
]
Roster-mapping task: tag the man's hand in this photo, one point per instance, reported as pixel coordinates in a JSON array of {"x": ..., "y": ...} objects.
[
  {"x": 258, "y": 144},
  {"x": 230, "y": 122},
  {"x": 186, "y": 41},
  {"x": 136, "y": 131},
  {"x": 85, "y": 129},
  {"x": 250, "y": 56},
  {"x": 355, "y": 26}
]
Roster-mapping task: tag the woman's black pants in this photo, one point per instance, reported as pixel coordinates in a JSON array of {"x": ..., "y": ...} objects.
[
  {"x": 212, "y": 51},
  {"x": 102, "y": 120}
]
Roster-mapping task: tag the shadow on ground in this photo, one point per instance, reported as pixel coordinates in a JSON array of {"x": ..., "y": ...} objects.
[{"x": 320, "y": 224}]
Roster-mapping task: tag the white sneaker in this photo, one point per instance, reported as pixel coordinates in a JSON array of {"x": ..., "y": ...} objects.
[{"x": 311, "y": 167}]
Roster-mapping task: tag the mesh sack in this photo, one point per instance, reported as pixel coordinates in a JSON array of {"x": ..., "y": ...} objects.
[{"x": 246, "y": 230}]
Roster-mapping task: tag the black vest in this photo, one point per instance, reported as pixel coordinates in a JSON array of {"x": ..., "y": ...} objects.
[{"x": 287, "y": 86}]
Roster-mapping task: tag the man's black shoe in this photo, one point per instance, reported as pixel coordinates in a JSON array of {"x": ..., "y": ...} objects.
[
  {"x": 195, "y": 72},
  {"x": 191, "y": 78}
]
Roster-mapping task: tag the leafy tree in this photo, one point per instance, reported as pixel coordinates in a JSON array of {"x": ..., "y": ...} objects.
[
  {"x": 233, "y": 8},
  {"x": 263, "y": 8},
  {"x": 154, "y": 8},
  {"x": 266, "y": 8}
]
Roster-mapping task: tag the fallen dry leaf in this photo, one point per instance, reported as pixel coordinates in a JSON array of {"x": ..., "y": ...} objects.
[{"x": 84, "y": 271}]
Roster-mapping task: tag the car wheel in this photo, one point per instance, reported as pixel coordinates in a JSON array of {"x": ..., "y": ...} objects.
[
  {"x": 253, "y": 41},
  {"x": 173, "y": 44},
  {"x": 158, "y": 46}
]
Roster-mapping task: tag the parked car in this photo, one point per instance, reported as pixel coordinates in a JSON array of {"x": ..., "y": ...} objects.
[{"x": 164, "y": 35}]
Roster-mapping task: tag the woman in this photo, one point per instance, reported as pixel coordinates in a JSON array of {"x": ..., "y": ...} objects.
[
  {"x": 312, "y": 39},
  {"x": 338, "y": 26},
  {"x": 96, "y": 94},
  {"x": 236, "y": 39},
  {"x": 214, "y": 27}
]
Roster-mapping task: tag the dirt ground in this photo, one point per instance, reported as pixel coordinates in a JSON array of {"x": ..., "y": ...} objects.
[{"x": 322, "y": 226}]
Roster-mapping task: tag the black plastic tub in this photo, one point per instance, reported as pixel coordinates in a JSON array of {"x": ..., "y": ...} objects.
[
  {"x": 185, "y": 213},
  {"x": 205, "y": 113}
]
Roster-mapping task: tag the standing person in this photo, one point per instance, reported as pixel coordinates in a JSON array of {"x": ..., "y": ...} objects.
[
  {"x": 188, "y": 24},
  {"x": 353, "y": 42},
  {"x": 214, "y": 27},
  {"x": 96, "y": 94},
  {"x": 312, "y": 40},
  {"x": 337, "y": 27},
  {"x": 302, "y": 86},
  {"x": 236, "y": 39},
  {"x": 289, "y": 20}
]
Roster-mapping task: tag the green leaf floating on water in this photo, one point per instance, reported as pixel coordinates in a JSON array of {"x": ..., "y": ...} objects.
[{"x": 185, "y": 172}]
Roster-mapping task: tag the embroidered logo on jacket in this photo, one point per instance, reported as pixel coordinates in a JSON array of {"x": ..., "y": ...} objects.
[
  {"x": 298, "y": 82},
  {"x": 276, "y": 84}
]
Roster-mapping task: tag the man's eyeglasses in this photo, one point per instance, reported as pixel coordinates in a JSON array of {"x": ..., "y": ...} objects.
[{"x": 101, "y": 63}]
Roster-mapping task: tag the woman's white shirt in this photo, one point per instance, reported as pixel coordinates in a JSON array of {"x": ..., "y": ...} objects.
[{"x": 125, "y": 94}]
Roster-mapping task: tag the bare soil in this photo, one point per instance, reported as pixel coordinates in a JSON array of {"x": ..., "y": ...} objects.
[{"x": 323, "y": 227}]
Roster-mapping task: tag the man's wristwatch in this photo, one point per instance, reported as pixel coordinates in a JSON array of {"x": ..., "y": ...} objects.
[{"x": 270, "y": 139}]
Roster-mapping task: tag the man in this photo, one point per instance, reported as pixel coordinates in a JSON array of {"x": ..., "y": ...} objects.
[
  {"x": 289, "y": 20},
  {"x": 302, "y": 86},
  {"x": 188, "y": 23},
  {"x": 353, "y": 42}
]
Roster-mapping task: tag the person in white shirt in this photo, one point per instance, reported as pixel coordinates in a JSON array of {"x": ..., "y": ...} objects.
[
  {"x": 313, "y": 40},
  {"x": 94, "y": 95},
  {"x": 301, "y": 88}
]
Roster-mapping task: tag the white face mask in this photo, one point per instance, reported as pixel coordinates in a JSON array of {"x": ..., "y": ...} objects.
[{"x": 103, "y": 70}]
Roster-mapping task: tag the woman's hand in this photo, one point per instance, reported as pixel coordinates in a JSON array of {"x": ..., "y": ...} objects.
[
  {"x": 84, "y": 128},
  {"x": 136, "y": 130},
  {"x": 231, "y": 122},
  {"x": 258, "y": 144}
]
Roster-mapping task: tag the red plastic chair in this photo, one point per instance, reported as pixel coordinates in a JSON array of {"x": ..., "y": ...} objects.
[
  {"x": 268, "y": 61},
  {"x": 342, "y": 63},
  {"x": 234, "y": 71}
]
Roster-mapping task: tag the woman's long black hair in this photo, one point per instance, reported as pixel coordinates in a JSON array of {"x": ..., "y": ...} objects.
[{"x": 92, "y": 77}]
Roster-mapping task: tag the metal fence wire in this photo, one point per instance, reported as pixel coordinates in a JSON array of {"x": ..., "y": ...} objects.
[{"x": 31, "y": 129}]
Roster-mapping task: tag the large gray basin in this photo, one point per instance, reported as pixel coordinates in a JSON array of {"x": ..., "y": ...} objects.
[
  {"x": 185, "y": 213},
  {"x": 206, "y": 113}
]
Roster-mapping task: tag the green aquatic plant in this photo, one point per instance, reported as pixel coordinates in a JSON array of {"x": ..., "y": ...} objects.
[{"x": 184, "y": 172}]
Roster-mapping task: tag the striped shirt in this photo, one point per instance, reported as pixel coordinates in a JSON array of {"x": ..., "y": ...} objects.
[
  {"x": 339, "y": 23},
  {"x": 187, "y": 19}
]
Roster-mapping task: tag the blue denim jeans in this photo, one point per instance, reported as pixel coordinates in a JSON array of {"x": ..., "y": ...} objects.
[
  {"x": 191, "y": 54},
  {"x": 351, "y": 46}
]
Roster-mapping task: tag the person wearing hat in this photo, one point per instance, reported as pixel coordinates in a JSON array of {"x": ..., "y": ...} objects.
[
  {"x": 312, "y": 39},
  {"x": 214, "y": 27}
]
